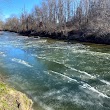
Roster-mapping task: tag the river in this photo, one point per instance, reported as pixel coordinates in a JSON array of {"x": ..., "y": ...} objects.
[{"x": 57, "y": 75}]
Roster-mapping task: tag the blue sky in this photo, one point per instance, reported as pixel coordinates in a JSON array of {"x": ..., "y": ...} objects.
[{"x": 10, "y": 7}]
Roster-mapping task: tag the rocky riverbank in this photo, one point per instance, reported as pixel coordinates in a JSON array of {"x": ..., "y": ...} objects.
[{"x": 10, "y": 99}]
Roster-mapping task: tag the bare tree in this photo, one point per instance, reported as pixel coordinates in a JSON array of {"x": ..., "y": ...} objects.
[
  {"x": 12, "y": 24},
  {"x": 1, "y": 24},
  {"x": 64, "y": 16}
]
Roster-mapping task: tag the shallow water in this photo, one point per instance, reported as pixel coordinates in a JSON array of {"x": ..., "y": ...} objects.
[{"x": 55, "y": 74}]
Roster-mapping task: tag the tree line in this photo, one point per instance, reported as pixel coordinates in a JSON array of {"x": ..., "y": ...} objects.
[{"x": 88, "y": 16}]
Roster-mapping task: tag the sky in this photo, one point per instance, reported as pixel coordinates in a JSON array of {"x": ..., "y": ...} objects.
[{"x": 15, "y": 7}]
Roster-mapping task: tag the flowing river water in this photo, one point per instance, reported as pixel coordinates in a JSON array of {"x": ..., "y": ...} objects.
[{"x": 57, "y": 75}]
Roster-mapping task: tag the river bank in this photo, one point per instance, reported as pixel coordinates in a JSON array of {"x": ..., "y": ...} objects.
[
  {"x": 10, "y": 99},
  {"x": 72, "y": 36}
]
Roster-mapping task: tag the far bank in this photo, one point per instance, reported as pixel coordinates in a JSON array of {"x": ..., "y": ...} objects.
[{"x": 71, "y": 36}]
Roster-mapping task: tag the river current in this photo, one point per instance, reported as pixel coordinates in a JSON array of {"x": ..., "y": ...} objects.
[{"x": 57, "y": 75}]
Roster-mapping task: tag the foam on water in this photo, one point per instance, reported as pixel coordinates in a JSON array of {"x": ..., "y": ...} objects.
[
  {"x": 106, "y": 82},
  {"x": 74, "y": 69},
  {"x": 70, "y": 79},
  {"x": 87, "y": 86},
  {"x": 51, "y": 93},
  {"x": 62, "y": 48},
  {"x": 42, "y": 105},
  {"x": 3, "y": 54},
  {"x": 84, "y": 85},
  {"x": 42, "y": 41},
  {"x": 99, "y": 54},
  {"x": 21, "y": 62},
  {"x": 91, "y": 76}
]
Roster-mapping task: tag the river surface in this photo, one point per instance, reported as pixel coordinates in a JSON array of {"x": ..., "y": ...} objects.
[{"x": 57, "y": 75}]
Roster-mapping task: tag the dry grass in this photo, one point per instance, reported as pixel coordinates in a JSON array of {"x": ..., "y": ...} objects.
[{"x": 11, "y": 99}]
